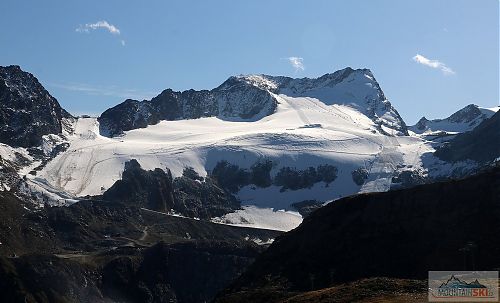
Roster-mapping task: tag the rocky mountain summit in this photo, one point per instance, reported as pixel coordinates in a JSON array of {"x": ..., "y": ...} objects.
[
  {"x": 252, "y": 97},
  {"x": 27, "y": 110}
]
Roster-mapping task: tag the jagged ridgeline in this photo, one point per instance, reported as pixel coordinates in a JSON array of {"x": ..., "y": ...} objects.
[{"x": 249, "y": 98}]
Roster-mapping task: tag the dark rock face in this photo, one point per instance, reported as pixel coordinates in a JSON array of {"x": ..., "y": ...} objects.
[
  {"x": 157, "y": 190},
  {"x": 359, "y": 175},
  {"x": 234, "y": 99},
  {"x": 422, "y": 123},
  {"x": 239, "y": 97},
  {"x": 27, "y": 110},
  {"x": 130, "y": 114},
  {"x": 466, "y": 114},
  {"x": 408, "y": 178},
  {"x": 232, "y": 178},
  {"x": 400, "y": 234},
  {"x": 205, "y": 200},
  {"x": 149, "y": 189},
  {"x": 293, "y": 179},
  {"x": 482, "y": 144}
]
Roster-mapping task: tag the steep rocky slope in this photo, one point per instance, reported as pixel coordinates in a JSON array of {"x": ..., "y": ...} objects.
[{"x": 27, "y": 110}]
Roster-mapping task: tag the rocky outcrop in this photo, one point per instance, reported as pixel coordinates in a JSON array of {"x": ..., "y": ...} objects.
[
  {"x": 157, "y": 190},
  {"x": 399, "y": 234},
  {"x": 27, "y": 110},
  {"x": 202, "y": 199},
  {"x": 149, "y": 189}
]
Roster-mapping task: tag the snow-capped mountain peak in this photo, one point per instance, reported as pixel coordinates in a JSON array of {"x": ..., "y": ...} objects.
[
  {"x": 253, "y": 97},
  {"x": 356, "y": 88},
  {"x": 462, "y": 120}
]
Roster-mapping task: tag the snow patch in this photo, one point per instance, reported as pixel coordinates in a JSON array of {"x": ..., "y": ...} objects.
[{"x": 266, "y": 218}]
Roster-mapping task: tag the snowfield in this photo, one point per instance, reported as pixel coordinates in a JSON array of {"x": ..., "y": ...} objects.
[
  {"x": 266, "y": 218},
  {"x": 303, "y": 132},
  {"x": 347, "y": 124}
]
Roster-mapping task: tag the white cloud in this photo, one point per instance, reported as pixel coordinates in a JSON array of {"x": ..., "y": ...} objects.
[
  {"x": 297, "y": 63},
  {"x": 434, "y": 64},
  {"x": 98, "y": 25}
]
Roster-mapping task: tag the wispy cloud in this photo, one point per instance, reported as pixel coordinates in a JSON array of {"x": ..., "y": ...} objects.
[
  {"x": 297, "y": 63},
  {"x": 112, "y": 91},
  {"x": 434, "y": 64},
  {"x": 98, "y": 25},
  {"x": 104, "y": 25}
]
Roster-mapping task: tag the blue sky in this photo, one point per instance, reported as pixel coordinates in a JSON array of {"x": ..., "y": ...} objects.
[{"x": 94, "y": 54}]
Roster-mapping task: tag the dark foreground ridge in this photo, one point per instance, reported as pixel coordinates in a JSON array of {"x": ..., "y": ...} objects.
[
  {"x": 397, "y": 234},
  {"x": 96, "y": 251}
]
